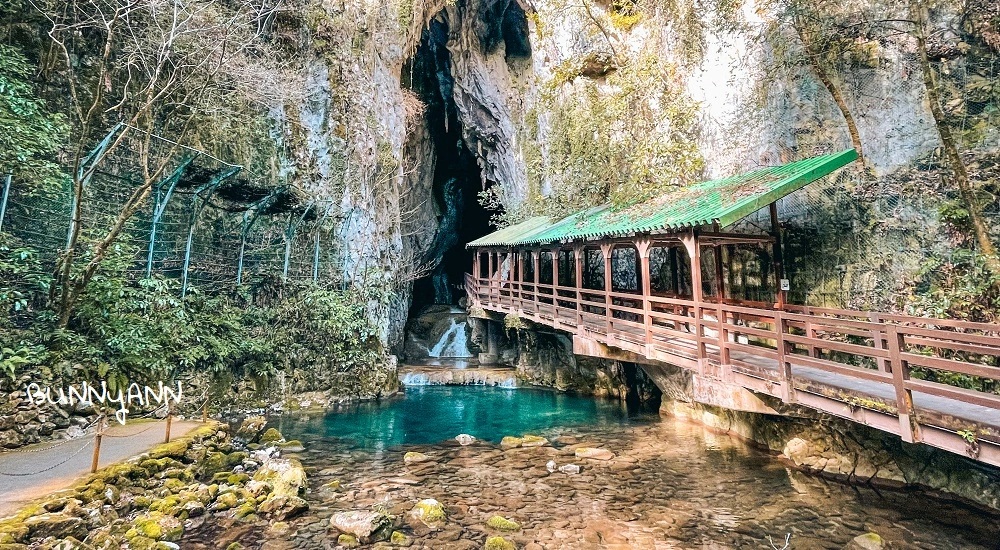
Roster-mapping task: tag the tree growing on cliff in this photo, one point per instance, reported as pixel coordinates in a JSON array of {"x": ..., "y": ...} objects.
[{"x": 149, "y": 68}]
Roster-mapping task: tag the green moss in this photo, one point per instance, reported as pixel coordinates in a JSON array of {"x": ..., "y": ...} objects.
[
  {"x": 348, "y": 541},
  {"x": 501, "y": 523},
  {"x": 429, "y": 511},
  {"x": 498, "y": 543},
  {"x": 272, "y": 435},
  {"x": 237, "y": 479},
  {"x": 398, "y": 538}
]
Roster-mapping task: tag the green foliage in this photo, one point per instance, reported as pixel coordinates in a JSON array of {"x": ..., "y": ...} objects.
[
  {"x": 626, "y": 141},
  {"x": 23, "y": 281},
  {"x": 958, "y": 287},
  {"x": 31, "y": 134}
]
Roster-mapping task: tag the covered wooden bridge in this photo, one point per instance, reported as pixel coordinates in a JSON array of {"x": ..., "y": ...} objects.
[{"x": 647, "y": 284}]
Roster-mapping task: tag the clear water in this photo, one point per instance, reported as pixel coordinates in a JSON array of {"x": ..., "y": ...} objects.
[
  {"x": 671, "y": 485},
  {"x": 427, "y": 415}
]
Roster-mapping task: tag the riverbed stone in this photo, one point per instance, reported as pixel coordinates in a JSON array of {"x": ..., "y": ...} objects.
[
  {"x": 498, "y": 543},
  {"x": 533, "y": 441},
  {"x": 868, "y": 541},
  {"x": 465, "y": 439},
  {"x": 361, "y": 524},
  {"x": 501, "y": 523},
  {"x": 429, "y": 511},
  {"x": 414, "y": 457},
  {"x": 510, "y": 442},
  {"x": 594, "y": 454},
  {"x": 569, "y": 469}
]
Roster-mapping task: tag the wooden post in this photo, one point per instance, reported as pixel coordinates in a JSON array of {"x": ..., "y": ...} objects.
[
  {"x": 720, "y": 285},
  {"x": 555, "y": 284},
  {"x": 204, "y": 413},
  {"x": 97, "y": 445},
  {"x": 520, "y": 282},
  {"x": 537, "y": 256},
  {"x": 578, "y": 253},
  {"x": 675, "y": 270},
  {"x": 900, "y": 374},
  {"x": 693, "y": 247},
  {"x": 879, "y": 338},
  {"x": 606, "y": 250},
  {"x": 784, "y": 367},
  {"x": 170, "y": 418},
  {"x": 777, "y": 256},
  {"x": 642, "y": 246}
]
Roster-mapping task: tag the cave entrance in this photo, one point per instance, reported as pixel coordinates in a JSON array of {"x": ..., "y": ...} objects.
[{"x": 457, "y": 175}]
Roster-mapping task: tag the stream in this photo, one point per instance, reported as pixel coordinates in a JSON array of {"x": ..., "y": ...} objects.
[{"x": 671, "y": 484}]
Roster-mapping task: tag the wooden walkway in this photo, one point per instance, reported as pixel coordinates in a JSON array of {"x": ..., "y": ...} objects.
[{"x": 872, "y": 368}]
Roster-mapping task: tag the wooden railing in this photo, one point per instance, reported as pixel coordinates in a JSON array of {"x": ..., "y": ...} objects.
[{"x": 836, "y": 360}]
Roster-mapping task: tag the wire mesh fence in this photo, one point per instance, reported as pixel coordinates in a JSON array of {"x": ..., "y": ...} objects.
[{"x": 205, "y": 223}]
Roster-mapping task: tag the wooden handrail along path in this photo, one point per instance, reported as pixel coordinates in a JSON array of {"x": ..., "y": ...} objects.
[
  {"x": 635, "y": 280},
  {"x": 851, "y": 364}
]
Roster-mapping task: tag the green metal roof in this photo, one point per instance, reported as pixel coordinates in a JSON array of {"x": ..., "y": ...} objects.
[{"x": 723, "y": 201}]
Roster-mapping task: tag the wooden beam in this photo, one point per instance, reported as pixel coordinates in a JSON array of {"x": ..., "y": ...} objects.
[
  {"x": 578, "y": 252},
  {"x": 777, "y": 256},
  {"x": 642, "y": 246},
  {"x": 606, "y": 250}
]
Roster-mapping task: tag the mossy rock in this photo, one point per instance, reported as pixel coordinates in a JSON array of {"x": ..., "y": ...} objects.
[
  {"x": 244, "y": 510},
  {"x": 237, "y": 479},
  {"x": 174, "y": 449},
  {"x": 533, "y": 441},
  {"x": 414, "y": 457},
  {"x": 348, "y": 541},
  {"x": 501, "y": 523},
  {"x": 237, "y": 458},
  {"x": 293, "y": 446},
  {"x": 225, "y": 501},
  {"x": 498, "y": 543},
  {"x": 156, "y": 526},
  {"x": 272, "y": 435},
  {"x": 235, "y": 546},
  {"x": 398, "y": 538},
  {"x": 174, "y": 485},
  {"x": 429, "y": 511},
  {"x": 510, "y": 442}
]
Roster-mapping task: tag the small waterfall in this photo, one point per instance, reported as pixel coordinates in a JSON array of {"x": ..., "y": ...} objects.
[
  {"x": 452, "y": 342},
  {"x": 415, "y": 379}
]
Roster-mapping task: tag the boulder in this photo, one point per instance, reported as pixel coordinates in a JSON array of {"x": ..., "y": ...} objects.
[
  {"x": 57, "y": 525},
  {"x": 551, "y": 466},
  {"x": 282, "y": 507},
  {"x": 360, "y": 524},
  {"x": 251, "y": 428},
  {"x": 594, "y": 454},
  {"x": 465, "y": 439}
]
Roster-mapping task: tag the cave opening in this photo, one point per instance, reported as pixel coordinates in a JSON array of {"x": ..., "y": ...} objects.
[{"x": 457, "y": 178}]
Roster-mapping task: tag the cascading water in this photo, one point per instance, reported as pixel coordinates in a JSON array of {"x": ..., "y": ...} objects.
[{"x": 453, "y": 343}]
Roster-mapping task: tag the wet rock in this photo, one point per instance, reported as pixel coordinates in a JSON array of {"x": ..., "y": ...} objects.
[
  {"x": 501, "y": 523},
  {"x": 399, "y": 538},
  {"x": 283, "y": 507},
  {"x": 360, "y": 524},
  {"x": 595, "y": 454},
  {"x": 569, "y": 469},
  {"x": 498, "y": 543},
  {"x": 510, "y": 442},
  {"x": 348, "y": 541},
  {"x": 551, "y": 466},
  {"x": 465, "y": 439},
  {"x": 868, "y": 541},
  {"x": 428, "y": 511},
  {"x": 415, "y": 458},
  {"x": 272, "y": 435},
  {"x": 251, "y": 428},
  {"x": 293, "y": 446},
  {"x": 533, "y": 441}
]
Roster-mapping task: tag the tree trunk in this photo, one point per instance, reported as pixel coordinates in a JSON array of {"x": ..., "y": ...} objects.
[
  {"x": 817, "y": 65},
  {"x": 960, "y": 172}
]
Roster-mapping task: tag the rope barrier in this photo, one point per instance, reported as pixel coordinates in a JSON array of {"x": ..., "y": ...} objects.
[{"x": 53, "y": 467}]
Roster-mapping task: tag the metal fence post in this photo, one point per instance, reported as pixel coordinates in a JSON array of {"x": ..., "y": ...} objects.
[{"x": 3, "y": 201}]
